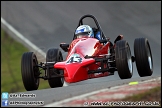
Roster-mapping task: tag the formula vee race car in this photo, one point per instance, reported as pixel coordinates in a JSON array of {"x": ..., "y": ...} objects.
[{"x": 87, "y": 58}]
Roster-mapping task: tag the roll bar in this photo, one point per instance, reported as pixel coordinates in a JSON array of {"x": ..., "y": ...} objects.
[{"x": 96, "y": 22}]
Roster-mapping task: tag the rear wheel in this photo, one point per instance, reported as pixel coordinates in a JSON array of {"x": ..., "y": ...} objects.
[
  {"x": 55, "y": 55},
  {"x": 30, "y": 71},
  {"x": 143, "y": 57},
  {"x": 123, "y": 59}
]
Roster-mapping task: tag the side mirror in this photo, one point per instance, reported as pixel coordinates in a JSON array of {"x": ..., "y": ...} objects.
[
  {"x": 64, "y": 46},
  {"x": 119, "y": 37}
]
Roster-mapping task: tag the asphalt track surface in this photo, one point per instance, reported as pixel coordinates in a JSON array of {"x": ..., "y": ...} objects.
[{"x": 48, "y": 23}]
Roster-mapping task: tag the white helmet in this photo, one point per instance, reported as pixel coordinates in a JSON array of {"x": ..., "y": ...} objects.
[{"x": 84, "y": 30}]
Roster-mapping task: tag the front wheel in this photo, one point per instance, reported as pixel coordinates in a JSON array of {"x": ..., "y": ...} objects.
[
  {"x": 123, "y": 59},
  {"x": 55, "y": 55},
  {"x": 30, "y": 71},
  {"x": 143, "y": 57}
]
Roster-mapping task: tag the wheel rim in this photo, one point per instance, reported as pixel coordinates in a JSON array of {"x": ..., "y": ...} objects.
[
  {"x": 130, "y": 65},
  {"x": 150, "y": 62},
  {"x": 129, "y": 60},
  {"x": 149, "y": 57}
]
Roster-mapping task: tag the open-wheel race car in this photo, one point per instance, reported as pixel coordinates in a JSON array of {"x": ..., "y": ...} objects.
[{"x": 87, "y": 58}]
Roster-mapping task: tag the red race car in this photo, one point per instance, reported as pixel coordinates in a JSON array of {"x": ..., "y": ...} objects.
[{"x": 87, "y": 58}]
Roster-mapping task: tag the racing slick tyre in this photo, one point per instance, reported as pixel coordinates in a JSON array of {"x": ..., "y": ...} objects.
[
  {"x": 143, "y": 57},
  {"x": 123, "y": 59},
  {"x": 54, "y": 55},
  {"x": 30, "y": 71}
]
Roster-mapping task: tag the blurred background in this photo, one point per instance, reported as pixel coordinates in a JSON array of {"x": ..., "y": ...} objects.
[{"x": 48, "y": 23}]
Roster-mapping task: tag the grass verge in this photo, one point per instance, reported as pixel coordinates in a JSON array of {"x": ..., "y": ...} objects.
[
  {"x": 11, "y": 53},
  {"x": 152, "y": 96}
]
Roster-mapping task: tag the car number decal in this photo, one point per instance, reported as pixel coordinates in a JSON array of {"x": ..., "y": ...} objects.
[{"x": 75, "y": 58}]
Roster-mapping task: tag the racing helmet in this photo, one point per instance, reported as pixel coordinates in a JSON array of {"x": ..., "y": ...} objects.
[{"x": 84, "y": 30}]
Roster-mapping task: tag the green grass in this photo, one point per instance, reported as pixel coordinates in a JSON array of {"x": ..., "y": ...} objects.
[
  {"x": 152, "y": 95},
  {"x": 142, "y": 96},
  {"x": 150, "y": 98},
  {"x": 11, "y": 53}
]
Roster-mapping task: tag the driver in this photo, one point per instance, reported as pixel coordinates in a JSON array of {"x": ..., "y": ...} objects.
[{"x": 85, "y": 30}]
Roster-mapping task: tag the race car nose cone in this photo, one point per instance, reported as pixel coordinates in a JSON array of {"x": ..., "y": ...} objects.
[
  {"x": 74, "y": 73},
  {"x": 77, "y": 71}
]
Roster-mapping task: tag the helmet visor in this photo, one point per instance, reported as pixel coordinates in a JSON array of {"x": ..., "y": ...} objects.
[{"x": 82, "y": 34}]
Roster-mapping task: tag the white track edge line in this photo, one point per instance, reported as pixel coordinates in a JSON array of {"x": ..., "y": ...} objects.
[
  {"x": 75, "y": 97},
  {"x": 91, "y": 93},
  {"x": 19, "y": 35},
  {"x": 22, "y": 37}
]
